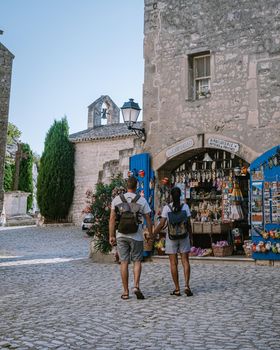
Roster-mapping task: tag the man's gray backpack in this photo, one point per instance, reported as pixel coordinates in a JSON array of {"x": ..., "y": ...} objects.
[
  {"x": 177, "y": 224},
  {"x": 128, "y": 215}
]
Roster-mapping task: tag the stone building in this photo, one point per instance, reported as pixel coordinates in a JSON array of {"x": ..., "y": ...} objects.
[
  {"x": 6, "y": 62},
  {"x": 101, "y": 151},
  {"x": 211, "y": 106},
  {"x": 211, "y": 91},
  {"x": 212, "y": 78}
]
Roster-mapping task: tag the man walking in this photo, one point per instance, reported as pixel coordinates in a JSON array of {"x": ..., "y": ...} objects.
[{"x": 129, "y": 237}]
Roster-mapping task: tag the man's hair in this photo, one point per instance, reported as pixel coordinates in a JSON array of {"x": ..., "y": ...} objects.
[{"x": 132, "y": 183}]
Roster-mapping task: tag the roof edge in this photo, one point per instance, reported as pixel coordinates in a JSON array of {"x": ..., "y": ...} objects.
[{"x": 101, "y": 138}]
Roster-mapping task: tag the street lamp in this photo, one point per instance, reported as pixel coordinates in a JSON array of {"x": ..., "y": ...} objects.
[{"x": 130, "y": 111}]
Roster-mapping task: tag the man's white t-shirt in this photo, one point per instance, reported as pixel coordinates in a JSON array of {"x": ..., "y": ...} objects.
[{"x": 145, "y": 209}]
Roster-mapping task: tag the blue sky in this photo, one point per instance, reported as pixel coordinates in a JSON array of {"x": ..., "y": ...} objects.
[{"x": 67, "y": 54}]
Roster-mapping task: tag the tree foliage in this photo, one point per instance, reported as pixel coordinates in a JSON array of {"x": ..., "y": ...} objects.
[
  {"x": 25, "y": 182},
  {"x": 13, "y": 134},
  {"x": 100, "y": 208},
  {"x": 8, "y": 176},
  {"x": 55, "y": 186}
]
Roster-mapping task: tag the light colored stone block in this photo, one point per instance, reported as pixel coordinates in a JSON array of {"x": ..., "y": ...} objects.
[
  {"x": 98, "y": 257},
  {"x": 15, "y": 203},
  {"x": 264, "y": 262},
  {"x": 252, "y": 69},
  {"x": 253, "y": 118}
]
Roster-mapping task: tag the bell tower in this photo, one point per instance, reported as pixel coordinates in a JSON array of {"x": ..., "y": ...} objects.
[{"x": 103, "y": 111}]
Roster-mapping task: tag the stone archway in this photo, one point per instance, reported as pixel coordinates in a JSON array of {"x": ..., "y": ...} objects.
[{"x": 172, "y": 156}]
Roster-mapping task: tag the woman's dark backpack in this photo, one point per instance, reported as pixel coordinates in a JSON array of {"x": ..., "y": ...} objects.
[
  {"x": 128, "y": 215},
  {"x": 177, "y": 223}
]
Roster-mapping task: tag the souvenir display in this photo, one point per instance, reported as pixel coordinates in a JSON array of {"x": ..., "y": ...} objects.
[
  {"x": 248, "y": 248},
  {"x": 222, "y": 248},
  {"x": 265, "y": 206},
  {"x": 257, "y": 203},
  {"x": 200, "y": 252},
  {"x": 210, "y": 185},
  {"x": 236, "y": 199}
]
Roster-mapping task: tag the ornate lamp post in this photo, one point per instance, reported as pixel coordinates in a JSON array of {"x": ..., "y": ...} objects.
[{"x": 130, "y": 111}]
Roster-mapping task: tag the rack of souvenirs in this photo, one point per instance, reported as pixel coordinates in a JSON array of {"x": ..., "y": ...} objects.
[
  {"x": 214, "y": 209},
  {"x": 214, "y": 184}
]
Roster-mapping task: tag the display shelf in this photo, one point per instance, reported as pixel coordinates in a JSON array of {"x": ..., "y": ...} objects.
[
  {"x": 266, "y": 256},
  {"x": 211, "y": 227},
  {"x": 205, "y": 199}
]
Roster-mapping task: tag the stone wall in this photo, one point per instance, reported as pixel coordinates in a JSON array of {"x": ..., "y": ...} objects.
[
  {"x": 98, "y": 160},
  {"x": 244, "y": 44},
  {"x": 6, "y": 61}
]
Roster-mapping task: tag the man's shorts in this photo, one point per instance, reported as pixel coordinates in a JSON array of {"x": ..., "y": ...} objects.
[
  {"x": 177, "y": 245},
  {"x": 130, "y": 249}
]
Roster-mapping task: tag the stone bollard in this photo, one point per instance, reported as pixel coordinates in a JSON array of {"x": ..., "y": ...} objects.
[{"x": 99, "y": 257}]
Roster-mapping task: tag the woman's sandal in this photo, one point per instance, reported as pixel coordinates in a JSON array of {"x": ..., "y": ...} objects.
[
  {"x": 188, "y": 292},
  {"x": 138, "y": 293},
  {"x": 176, "y": 293},
  {"x": 125, "y": 296}
]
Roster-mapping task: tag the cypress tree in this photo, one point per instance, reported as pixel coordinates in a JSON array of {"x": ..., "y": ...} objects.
[
  {"x": 55, "y": 185},
  {"x": 8, "y": 176},
  {"x": 25, "y": 182}
]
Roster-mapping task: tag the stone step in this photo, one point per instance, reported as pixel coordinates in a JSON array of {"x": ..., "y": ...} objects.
[
  {"x": 21, "y": 220},
  {"x": 234, "y": 259}
]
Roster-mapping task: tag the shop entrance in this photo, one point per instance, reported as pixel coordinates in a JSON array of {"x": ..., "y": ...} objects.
[{"x": 215, "y": 185}]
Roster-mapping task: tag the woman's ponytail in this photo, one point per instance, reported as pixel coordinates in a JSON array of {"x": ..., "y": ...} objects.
[{"x": 176, "y": 195}]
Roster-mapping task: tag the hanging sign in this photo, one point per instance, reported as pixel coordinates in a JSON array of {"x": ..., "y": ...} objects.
[
  {"x": 223, "y": 144},
  {"x": 181, "y": 147}
]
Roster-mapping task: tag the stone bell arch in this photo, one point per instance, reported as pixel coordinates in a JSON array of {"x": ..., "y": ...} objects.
[{"x": 96, "y": 112}]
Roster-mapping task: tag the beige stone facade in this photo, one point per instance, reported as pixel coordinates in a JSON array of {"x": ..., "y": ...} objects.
[
  {"x": 90, "y": 159},
  {"x": 243, "y": 103},
  {"x": 101, "y": 151}
]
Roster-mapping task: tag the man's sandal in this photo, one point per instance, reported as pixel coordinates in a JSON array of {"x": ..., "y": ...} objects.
[
  {"x": 188, "y": 292},
  {"x": 125, "y": 296},
  {"x": 138, "y": 293},
  {"x": 176, "y": 293}
]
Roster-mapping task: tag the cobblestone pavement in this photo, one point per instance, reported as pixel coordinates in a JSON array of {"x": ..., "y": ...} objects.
[
  {"x": 44, "y": 242},
  {"x": 76, "y": 304}
]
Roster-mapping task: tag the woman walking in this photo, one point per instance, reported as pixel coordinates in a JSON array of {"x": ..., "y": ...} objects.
[{"x": 175, "y": 246}]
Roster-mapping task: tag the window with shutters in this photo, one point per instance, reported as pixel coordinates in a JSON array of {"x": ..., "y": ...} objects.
[{"x": 199, "y": 76}]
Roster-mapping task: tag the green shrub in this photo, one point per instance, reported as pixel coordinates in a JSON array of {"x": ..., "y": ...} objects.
[
  {"x": 25, "y": 182},
  {"x": 100, "y": 208}
]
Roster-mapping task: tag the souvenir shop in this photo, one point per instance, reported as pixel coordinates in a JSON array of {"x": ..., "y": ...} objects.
[
  {"x": 215, "y": 185},
  {"x": 235, "y": 206}
]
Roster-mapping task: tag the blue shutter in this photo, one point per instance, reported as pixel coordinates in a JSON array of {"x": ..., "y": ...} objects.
[{"x": 143, "y": 162}]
